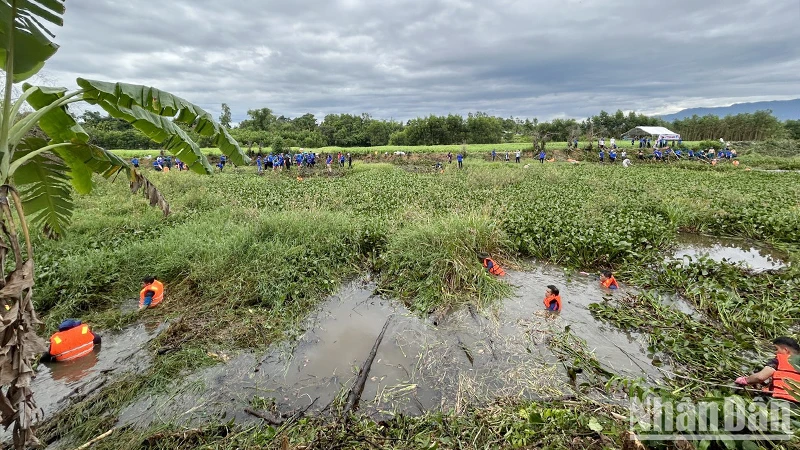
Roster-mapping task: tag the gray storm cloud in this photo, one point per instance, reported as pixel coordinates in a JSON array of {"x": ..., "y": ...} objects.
[{"x": 401, "y": 58}]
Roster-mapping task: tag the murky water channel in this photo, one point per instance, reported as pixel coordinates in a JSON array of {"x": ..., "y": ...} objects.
[
  {"x": 733, "y": 250},
  {"x": 470, "y": 356}
]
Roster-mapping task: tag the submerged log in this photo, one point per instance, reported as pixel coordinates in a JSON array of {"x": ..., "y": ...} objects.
[{"x": 358, "y": 387}]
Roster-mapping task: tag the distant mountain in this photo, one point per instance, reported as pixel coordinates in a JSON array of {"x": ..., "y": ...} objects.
[{"x": 782, "y": 109}]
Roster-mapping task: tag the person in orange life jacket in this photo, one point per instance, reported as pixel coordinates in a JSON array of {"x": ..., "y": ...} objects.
[
  {"x": 608, "y": 281},
  {"x": 151, "y": 294},
  {"x": 73, "y": 340},
  {"x": 492, "y": 266},
  {"x": 785, "y": 366},
  {"x": 552, "y": 301}
]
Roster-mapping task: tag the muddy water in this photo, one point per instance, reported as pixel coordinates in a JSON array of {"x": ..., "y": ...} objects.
[
  {"x": 470, "y": 356},
  {"x": 729, "y": 249},
  {"x": 120, "y": 352}
]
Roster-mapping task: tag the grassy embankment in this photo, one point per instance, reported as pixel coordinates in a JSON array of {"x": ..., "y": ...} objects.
[{"x": 247, "y": 257}]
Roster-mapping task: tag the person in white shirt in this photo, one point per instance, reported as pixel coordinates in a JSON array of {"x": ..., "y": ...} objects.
[
  {"x": 517, "y": 155},
  {"x": 626, "y": 163},
  {"x": 613, "y": 143},
  {"x": 623, "y": 154},
  {"x": 602, "y": 143}
]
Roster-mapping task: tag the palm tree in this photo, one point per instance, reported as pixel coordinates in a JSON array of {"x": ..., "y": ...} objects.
[{"x": 37, "y": 176}]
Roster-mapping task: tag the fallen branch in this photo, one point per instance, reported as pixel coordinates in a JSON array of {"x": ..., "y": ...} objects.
[
  {"x": 98, "y": 438},
  {"x": 263, "y": 415},
  {"x": 466, "y": 351},
  {"x": 295, "y": 417},
  {"x": 358, "y": 387}
]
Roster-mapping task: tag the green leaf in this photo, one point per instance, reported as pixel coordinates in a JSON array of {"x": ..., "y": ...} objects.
[
  {"x": 31, "y": 39},
  {"x": 594, "y": 425},
  {"x": 58, "y": 123},
  {"x": 85, "y": 159},
  {"x": 160, "y": 103},
  {"x": 163, "y": 131},
  {"x": 44, "y": 187}
]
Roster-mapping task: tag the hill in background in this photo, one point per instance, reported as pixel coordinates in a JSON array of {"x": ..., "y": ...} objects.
[{"x": 782, "y": 109}]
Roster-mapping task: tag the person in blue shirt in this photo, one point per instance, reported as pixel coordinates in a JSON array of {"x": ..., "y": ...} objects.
[
  {"x": 298, "y": 158},
  {"x": 135, "y": 162},
  {"x": 258, "y": 164},
  {"x": 691, "y": 154},
  {"x": 328, "y": 162},
  {"x": 460, "y": 159},
  {"x": 542, "y": 155},
  {"x": 341, "y": 160},
  {"x": 657, "y": 154},
  {"x": 612, "y": 156},
  {"x": 602, "y": 155},
  {"x": 157, "y": 165},
  {"x": 576, "y": 143},
  {"x": 221, "y": 164},
  {"x": 678, "y": 153},
  {"x": 494, "y": 154}
]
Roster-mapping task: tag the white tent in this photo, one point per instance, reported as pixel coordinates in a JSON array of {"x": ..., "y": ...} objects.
[{"x": 658, "y": 132}]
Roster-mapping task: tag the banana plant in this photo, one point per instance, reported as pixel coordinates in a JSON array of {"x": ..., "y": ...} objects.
[{"x": 38, "y": 176}]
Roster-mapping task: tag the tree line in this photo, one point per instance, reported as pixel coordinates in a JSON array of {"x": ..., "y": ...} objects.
[{"x": 263, "y": 128}]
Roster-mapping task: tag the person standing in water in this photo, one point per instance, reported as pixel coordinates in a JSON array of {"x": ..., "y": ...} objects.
[
  {"x": 552, "y": 299},
  {"x": 608, "y": 281}
]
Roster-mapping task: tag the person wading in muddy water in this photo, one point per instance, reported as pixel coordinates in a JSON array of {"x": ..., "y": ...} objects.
[
  {"x": 608, "y": 281},
  {"x": 785, "y": 366},
  {"x": 72, "y": 340},
  {"x": 552, "y": 299},
  {"x": 151, "y": 294}
]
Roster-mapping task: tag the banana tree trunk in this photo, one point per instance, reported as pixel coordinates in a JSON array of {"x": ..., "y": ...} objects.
[{"x": 20, "y": 344}]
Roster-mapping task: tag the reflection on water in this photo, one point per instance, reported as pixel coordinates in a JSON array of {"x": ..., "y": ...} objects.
[
  {"x": 728, "y": 249},
  {"x": 72, "y": 371},
  {"x": 471, "y": 356}
]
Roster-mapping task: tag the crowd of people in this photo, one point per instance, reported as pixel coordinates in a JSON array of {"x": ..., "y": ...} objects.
[{"x": 163, "y": 163}]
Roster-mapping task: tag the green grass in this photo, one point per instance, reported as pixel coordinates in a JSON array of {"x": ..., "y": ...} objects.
[{"x": 246, "y": 258}]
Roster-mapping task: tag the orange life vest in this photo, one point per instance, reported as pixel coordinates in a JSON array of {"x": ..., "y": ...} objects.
[
  {"x": 71, "y": 344},
  {"x": 549, "y": 299},
  {"x": 610, "y": 282},
  {"x": 495, "y": 269},
  {"x": 778, "y": 387},
  {"x": 158, "y": 293}
]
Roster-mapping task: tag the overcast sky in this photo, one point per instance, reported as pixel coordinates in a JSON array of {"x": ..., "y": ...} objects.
[{"x": 402, "y": 58}]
